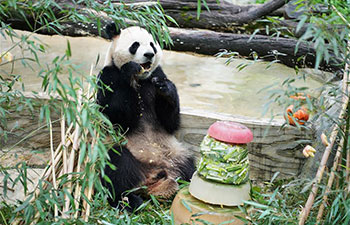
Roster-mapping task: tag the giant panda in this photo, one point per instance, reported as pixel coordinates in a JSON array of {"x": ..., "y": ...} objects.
[{"x": 136, "y": 96}]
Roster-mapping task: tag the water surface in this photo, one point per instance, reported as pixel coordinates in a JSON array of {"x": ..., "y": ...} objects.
[{"x": 203, "y": 82}]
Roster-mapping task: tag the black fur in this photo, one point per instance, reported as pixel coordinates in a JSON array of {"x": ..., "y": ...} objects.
[
  {"x": 112, "y": 30},
  {"x": 127, "y": 166},
  {"x": 155, "y": 99},
  {"x": 160, "y": 101},
  {"x": 187, "y": 169},
  {"x": 153, "y": 47},
  {"x": 148, "y": 55},
  {"x": 133, "y": 48}
]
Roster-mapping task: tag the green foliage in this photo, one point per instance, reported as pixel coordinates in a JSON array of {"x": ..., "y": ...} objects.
[
  {"x": 203, "y": 3},
  {"x": 48, "y": 15},
  {"x": 5, "y": 213},
  {"x": 280, "y": 202},
  {"x": 260, "y": 1},
  {"x": 68, "y": 97},
  {"x": 152, "y": 212},
  {"x": 328, "y": 32},
  {"x": 329, "y": 41}
]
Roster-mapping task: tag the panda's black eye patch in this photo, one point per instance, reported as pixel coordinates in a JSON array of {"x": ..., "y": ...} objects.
[
  {"x": 154, "y": 48},
  {"x": 133, "y": 48}
]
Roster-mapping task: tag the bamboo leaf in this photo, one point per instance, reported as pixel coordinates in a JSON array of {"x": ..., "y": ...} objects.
[
  {"x": 199, "y": 8},
  {"x": 301, "y": 23},
  {"x": 253, "y": 34},
  {"x": 256, "y": 205}
]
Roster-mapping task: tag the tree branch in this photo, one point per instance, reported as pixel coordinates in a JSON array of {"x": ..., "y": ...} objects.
[{"x": 258, "y": 12}]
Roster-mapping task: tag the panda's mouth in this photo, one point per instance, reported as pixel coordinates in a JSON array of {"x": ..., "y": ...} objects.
[{"x": 146, "y": 66}]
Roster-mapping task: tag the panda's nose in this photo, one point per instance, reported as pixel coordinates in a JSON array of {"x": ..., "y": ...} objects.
[{"x": 148, "y": 55}]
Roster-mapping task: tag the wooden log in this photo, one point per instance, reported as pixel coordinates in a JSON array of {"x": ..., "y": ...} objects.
[
  {"x": 268, "y": 48},
  {"x": 224, "y": 16}
]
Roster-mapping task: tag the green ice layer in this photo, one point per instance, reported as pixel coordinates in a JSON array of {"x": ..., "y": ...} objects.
[{"x": 222, "y": 162}]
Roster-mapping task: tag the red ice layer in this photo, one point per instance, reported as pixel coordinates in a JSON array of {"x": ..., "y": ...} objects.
[{"x": 230, "y": 132}]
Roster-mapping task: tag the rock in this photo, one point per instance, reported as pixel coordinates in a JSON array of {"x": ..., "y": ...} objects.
[
  {"x": 15, "y": 189},
  {"x": 20, "y": 154}
]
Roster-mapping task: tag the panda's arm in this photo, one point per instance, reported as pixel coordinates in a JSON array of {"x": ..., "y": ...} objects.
[
  {"x": 104, "y": 83},
  {"x": 117, "y": 99},
  {"x": 167, "y": 104}
]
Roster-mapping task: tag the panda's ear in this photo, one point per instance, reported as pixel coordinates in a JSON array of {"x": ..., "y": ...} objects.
[{"x": 112, "y": 30}]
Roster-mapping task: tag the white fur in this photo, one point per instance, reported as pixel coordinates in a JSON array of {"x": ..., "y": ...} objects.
[{"x": 119, "y": 54}]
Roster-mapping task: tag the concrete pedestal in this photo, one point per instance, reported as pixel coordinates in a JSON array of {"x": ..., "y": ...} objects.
[{"x": 187, "y": 209}]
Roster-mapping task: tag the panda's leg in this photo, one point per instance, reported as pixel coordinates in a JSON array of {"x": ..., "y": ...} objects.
[{"x": 127, "y": 175}]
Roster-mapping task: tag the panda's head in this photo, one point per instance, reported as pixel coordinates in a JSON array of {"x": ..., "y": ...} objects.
[{"x": 133, "y": 44}]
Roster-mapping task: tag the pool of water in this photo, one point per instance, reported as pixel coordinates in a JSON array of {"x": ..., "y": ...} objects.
[{"x": 203, "y": 82}]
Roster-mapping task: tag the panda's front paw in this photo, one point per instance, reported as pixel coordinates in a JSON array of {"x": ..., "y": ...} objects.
[
  {"x": 131, "y": 69},
  {"x": 162, "y": 85}
]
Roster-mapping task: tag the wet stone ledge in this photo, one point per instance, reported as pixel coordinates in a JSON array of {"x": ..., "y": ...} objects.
[{"x": 274, "y": 149}]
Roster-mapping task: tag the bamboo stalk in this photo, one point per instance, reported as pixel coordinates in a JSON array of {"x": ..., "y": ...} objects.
[
  {"x": 86, "y": 205},
  {"x": 70, "y": 168},
  {"x": 347, "y": 166},
  {"x": 71, "y": 163},
  {"x": 66, "y": 159},
  {"x": 53, "y": 165},
  {"x": 77, "y": 197},
  {"x": 37, "y": 214},
  {"x": 45, "y": 174},
  {"x": 347, "y": 179},
  {"x": 88, "y": 208},
  {"x": 346, "y": 148},
  {"x": 72, "y": 155},
  {"x": 48, "y": 167},
  {"x": 305, "y": 212},
  {"x": 345, "y": 90},
  {"x": 63, "y": 141},
  {"x": 337, "y": 182},
  {"x": 64, "y": 146},
  {"x": 77, "y": 194},
  {"x": 330, "y": 181},
  {"x": 36, "y": 217}
]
